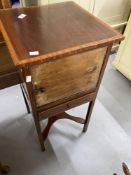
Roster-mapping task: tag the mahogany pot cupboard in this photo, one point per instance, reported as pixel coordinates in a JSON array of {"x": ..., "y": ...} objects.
[{"x": 60, "y": 51}]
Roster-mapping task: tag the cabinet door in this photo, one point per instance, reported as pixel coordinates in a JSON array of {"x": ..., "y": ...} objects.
[
  {"x": 67, "y": 77},
  {"x": 112, "y": 12}
]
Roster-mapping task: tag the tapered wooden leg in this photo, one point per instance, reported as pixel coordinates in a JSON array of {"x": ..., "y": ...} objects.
[
  {"x": 27, "y": 106},
  {"x": 39, "y": 132},
  {"x": 29, "y": 86},
  {"x": 89, "y": 112}
]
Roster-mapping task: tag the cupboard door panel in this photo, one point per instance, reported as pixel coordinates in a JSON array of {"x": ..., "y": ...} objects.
[{"x": 69, "y": 76}]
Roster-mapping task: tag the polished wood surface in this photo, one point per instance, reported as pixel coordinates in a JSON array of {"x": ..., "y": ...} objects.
[
  {"x": 67, "y": 77},
  {"x": 54, "y": 30},
  {"x": 80, "y": 41}
]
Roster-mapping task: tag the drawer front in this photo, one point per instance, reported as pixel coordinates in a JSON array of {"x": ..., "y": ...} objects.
[
  {"x": 63, "y": 78},
  {"x": 46, "y": 113}
]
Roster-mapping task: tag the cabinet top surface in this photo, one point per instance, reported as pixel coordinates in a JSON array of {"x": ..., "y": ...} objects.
[{"x": 53, "y": 30}]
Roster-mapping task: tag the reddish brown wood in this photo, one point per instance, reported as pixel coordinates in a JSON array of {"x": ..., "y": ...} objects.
[
  {"x": 91, "y": 104},
  {"x": 5, "y": 4},
  {"x": 64, "y": 106},
  {"x": 89, "y": 112},
  {"x": 2, "y": 42},
  {"x": 8, "y": 72},
  {"x": 79, "y": 76},
  {"x": 9, "y": 79},
  {"x": 53, "y": 119},
  {"x": 62, "y": 33},
  {"x": 62, "y": 29},
  {"x": 1, "y": 5},
  {"x": 6, "y": 64},
  {"x": 23, "y": 73}
]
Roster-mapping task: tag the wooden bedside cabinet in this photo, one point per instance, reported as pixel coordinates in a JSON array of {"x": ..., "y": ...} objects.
[{"x": 71, "y": 49}]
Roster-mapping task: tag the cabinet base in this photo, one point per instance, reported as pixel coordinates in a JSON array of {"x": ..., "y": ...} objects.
[{"x": 63, "y": 115}]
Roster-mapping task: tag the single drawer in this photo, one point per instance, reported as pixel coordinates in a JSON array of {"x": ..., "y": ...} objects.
[
  {"x": 66, "y": 106},
  {"x": 70, "y": 76}
]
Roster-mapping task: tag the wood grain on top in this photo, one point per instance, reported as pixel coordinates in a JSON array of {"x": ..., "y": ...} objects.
[{"x": 53, "y": 30}]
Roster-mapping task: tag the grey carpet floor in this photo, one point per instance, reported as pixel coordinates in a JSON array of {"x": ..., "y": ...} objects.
[{"x": 100, "y": 151}]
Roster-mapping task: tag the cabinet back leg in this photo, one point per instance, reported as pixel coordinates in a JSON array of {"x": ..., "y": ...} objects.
[
  {"x": 89, "y": 112},
  {"x": 27, "y": 106},
  {"x": 39, "y": 132}
]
